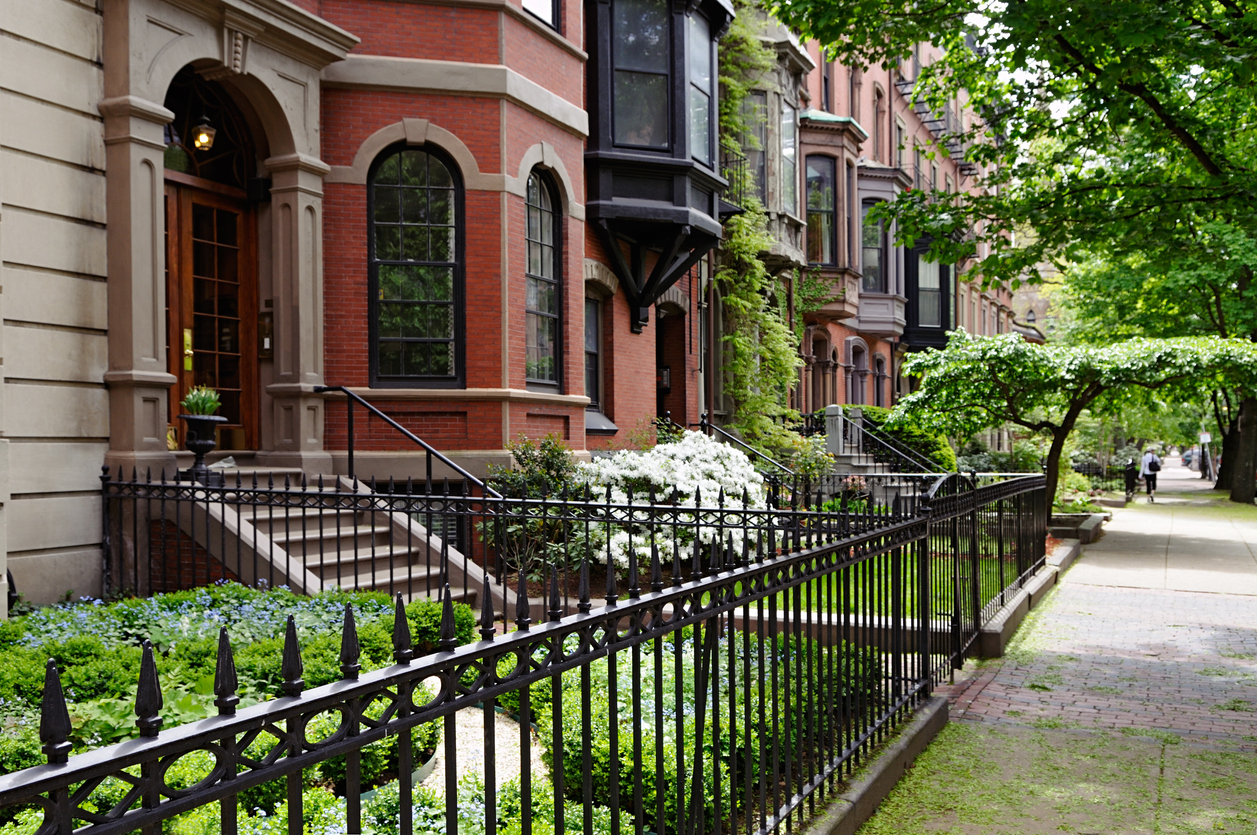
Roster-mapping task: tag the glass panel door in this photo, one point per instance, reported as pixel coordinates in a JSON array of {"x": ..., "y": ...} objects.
[{"x": 213, "y": 312}]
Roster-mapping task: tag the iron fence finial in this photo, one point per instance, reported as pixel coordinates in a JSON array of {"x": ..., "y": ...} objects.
[
  {"x": 403, "y": 652},
  {"x": 225, "y": 681},
  {"x": 446, "y": 638},
  {"x": 54, "y": 717},
  {"x": 487, "y": 615},
  {"x": 350, "y": 649},
  {"x": 582, "y": 593},
  {"x": 292, "y": 668},
  {"x": 522, "y": 611},
  {"x": 148, "y": 698}
]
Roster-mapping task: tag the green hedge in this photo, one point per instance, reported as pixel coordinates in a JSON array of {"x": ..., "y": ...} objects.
[{"x": 913, "y": 437}]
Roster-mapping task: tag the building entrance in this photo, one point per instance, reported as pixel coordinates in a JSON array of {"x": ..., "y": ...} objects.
[{"x": 211, "y": 256}]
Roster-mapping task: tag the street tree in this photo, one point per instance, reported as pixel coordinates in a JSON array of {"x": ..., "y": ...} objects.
[
  {"x": 1099, "y": 119},
  {"x": 977, "y": 383}
]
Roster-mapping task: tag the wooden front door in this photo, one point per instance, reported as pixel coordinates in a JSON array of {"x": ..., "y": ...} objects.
[{"x": 211, "y": 298}]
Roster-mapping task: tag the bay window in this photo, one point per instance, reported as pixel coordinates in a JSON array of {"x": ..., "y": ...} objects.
[
  {"x": 873, "y": 234},
  {"x": 702, "y": 79},
  {"x": 789, "y": 159}
]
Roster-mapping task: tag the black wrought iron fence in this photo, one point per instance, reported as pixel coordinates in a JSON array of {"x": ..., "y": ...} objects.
[{"x": 723, "y": 665}]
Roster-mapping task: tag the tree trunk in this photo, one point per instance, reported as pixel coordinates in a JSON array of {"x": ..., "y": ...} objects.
[
  {"x": 1229, "y": 438},
  {"x": 1244, "y": 476},
  {"x": 1053, "y": 468}
]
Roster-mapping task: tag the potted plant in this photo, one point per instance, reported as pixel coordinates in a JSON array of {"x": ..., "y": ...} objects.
[{"x": 200, "y": 403}]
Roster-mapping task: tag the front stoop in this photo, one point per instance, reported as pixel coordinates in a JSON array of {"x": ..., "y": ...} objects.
[
  {"x": 847, "y": 813},
  {"x": 999, "y": 630}
]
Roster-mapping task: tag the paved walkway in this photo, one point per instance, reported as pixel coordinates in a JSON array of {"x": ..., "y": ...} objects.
[{"x": 1128, "y": 700}]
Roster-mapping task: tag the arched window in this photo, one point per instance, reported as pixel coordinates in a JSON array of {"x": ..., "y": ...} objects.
[
  {"x": 859, "y": 375},
  {"x": 415, "y": 218},
  {"x": 541, "y": 284}
]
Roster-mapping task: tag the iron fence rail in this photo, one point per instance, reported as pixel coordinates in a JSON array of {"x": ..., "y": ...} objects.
[{"x": 742, "y": 661}]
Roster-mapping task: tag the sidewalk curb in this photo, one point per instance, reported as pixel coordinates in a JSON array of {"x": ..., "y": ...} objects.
[
  {"x": 847, "y": 813},
  {"x": 995, "y": 634}
]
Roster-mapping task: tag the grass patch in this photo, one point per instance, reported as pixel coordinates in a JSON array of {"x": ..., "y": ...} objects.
[
  {"x": 1154, "y": 733},
  {"x": 1236, "y": 705}
]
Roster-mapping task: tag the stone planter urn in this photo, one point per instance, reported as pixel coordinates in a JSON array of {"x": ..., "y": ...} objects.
[{"x": 200, "y": 442}]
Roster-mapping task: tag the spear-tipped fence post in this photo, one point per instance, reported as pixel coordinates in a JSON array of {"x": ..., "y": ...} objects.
[
  {"x": 292, "y": 669},
  {"x": 582, "y": 593},
  {"x": 402, "y": 650},
  {"x": 556, "y": 603},
  {"x": 148, "y": 699},
  {"x": 54, "y": 718},
  {"x": 487, "y": 615},
  {"x": 225, "y": 681},
  {"x": 523, "y": 614},
  {"x": 350, "y": 649},
  {"x": 446, "y": 637}
]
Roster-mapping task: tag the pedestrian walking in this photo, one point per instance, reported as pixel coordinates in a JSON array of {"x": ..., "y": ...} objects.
[{"x": 1148, "y": 468}]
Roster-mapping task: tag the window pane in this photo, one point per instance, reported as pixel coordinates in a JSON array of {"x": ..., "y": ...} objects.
[
  {"x": 928, "y": 293},
  {"x": 873, "y": 270},
  {"x": 820, "y": 237},
  {"x": 789, "y": 168},
  {"x": 927, "y": 273},
  {"x": 543, "y": 9},
  {"x": 700, "y": 125},
  {"x": 640, "y": 39},
  {"x": 386, "y": 205},
  {"x": 641, "y": 109},
  {"x": 700, "y": 53},
  {"x": 592, "y": 343}
]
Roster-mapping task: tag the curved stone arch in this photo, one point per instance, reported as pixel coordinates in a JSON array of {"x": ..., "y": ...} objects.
[
  {"x": 416, "y": 132},
  {"x": 850, "y": 345},
  {"x": 674, "y": 300},
  {"x": 544, "y": 156},
  {"x": 601, "y": 278}
]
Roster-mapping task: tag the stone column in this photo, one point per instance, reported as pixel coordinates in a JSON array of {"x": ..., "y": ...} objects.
[
  {"x": 137, "y": 377},
  {"x": 833, "y": 431},
  {"x": 296, "y": 424}
]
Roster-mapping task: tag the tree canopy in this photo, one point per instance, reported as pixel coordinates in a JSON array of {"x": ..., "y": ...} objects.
[
  {"x": 1103, "y": 123},
  {"x": 976, "y": 383}
]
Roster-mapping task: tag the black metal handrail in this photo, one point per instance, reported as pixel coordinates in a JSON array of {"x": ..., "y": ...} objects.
[
  {"x": 917, "y": 457},
  {"x": 706, "y": 426},
  {"x": 354, "y": 398}
]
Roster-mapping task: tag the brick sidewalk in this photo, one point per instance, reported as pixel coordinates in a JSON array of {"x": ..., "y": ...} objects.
[{"x": 1097, "y": 657}]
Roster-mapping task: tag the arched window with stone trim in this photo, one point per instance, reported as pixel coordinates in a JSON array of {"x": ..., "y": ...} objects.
[
  {"x": 415, "y": 249},
  {"x": 542, "y": 282}
]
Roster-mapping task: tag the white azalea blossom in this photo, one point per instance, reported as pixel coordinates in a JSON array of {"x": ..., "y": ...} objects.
[{"x": 694, "y": 467}]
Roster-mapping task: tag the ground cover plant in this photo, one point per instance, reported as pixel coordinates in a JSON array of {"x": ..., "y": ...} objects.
[{"x": 96, "y": 646}]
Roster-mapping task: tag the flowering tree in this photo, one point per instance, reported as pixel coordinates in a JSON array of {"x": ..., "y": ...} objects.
[{"x": 980, "y": 382}]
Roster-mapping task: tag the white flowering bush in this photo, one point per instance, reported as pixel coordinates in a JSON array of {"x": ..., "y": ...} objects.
[{"x": 691, "y": 469}]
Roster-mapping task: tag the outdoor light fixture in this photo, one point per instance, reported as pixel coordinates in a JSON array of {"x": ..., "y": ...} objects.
[{"x": 203, "y": 135}]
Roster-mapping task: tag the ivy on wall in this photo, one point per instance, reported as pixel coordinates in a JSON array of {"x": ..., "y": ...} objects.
[{"x": 761, "y": 356}]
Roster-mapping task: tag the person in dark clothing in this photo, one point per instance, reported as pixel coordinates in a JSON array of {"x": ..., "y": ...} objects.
[{"x": 1148, "y": 468}]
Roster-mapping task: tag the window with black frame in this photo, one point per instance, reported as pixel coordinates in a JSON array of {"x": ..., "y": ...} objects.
[
  {"x": 593, "y": 353},
  {"x": 929, "y": 293},
  {"x": 822, "y": 243},
  {"x": 641, "y": 55},
  {"x": 873, "y": 234},
  {"x": 414, "y": 215},
  {"x": 541, "y": 277},
  {"x": 702, "y": 89}
]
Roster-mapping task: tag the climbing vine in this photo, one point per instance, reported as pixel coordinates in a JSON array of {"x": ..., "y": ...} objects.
[{"x": 761, "y": 357}]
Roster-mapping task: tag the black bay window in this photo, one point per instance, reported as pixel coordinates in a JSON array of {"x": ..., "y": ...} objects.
[
  {"x": 651, "y": 159},
  {"x": 931, "y": 303}
]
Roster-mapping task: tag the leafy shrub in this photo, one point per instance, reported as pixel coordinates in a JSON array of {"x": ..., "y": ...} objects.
[
  {"x": 909, "y": 434},
  {"x": 95, "y": 646},
  {"x": 862, "y": 664}
]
